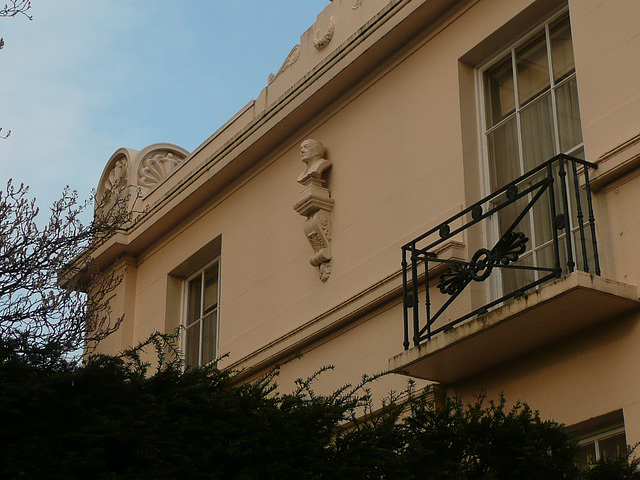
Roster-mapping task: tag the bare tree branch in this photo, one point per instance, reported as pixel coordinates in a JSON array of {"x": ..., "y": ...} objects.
[
  {"x": 11, "y": 9},
  {"x": 39, "y": 314},
  {"x": 9, "y": 132},
  {"x": 16, "y": 7}
]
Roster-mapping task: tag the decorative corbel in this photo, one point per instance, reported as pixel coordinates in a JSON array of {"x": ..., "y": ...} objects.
[{"x": 315, "y": 203}]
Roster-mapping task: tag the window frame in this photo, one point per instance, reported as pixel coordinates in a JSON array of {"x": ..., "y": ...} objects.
[
  {"x": 600, "y": 435},
  {"x": 202, "y": 314},
  {"x": 484, "y": 129}
]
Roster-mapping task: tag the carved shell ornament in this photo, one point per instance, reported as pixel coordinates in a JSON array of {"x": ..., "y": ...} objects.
[
  {"x": 321, "y": 41},
  {"x": 292, "y": 58},
  {"x": 356, "y": 4},
  {"x": 153, "y": 170}
]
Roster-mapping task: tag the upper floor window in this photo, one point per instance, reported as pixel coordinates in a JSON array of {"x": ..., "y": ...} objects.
[
  {"x": 530, "y": 113},
  {"x": 202, "y": 316},
  {"x": 531, "y": 103}
]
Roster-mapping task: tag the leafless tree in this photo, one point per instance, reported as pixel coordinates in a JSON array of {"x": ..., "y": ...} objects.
[
  {"x": 45, "y": 268},
  {"x": 9, "y": 132},
  {"x": 11, "y": 9},
  {"x": 16, "y": 7}
]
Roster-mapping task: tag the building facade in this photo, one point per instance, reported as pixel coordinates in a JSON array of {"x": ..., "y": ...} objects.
[{"x": 443, "y": 188}]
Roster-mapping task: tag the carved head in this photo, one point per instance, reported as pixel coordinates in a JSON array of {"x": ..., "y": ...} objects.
[{"x": 311, "y": 150}]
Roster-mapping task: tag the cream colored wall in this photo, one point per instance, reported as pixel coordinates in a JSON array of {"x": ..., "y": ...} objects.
[
  {"x": 361, "y": 348},
  {"x": 405, "y": 153},
  {"x": 585, "y": 376},
  {"x": 391, "y": 146},
  {"x": 396, "y": 147},
  {"x": 607, "y": 36}
]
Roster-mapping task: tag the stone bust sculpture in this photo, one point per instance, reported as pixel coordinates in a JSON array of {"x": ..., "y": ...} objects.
[
  {"x": 312, "y": 153},
  {"x": 315, "y": 203}
]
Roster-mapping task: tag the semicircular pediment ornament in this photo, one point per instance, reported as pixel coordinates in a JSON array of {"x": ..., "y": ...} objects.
[{"x": 157, "y": 166}]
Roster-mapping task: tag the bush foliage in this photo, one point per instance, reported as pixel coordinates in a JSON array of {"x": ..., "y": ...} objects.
[{"x": 111, "y": 419}]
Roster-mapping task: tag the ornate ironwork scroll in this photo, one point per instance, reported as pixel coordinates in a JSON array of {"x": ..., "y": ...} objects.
[{"x": 560, "y": 187}]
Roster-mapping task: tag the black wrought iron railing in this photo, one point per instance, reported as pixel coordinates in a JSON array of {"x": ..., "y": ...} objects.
[{"x": 543, "y": 225}]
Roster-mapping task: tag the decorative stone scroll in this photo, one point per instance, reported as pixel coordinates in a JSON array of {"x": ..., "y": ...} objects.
[
  {"x": 315, "y": 203},
  {"x": 292, "y": 58},
  {"x": 356, "y": 4}
]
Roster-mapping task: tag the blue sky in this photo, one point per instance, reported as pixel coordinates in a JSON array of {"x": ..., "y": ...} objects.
[{"x": 86, "y": 77}]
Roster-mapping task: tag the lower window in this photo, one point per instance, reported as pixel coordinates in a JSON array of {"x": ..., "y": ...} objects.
[
  {"x": 202, "y": 292},
  {"x": 602, "y": 445}
]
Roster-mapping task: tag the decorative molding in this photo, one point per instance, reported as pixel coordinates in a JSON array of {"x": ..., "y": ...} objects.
[
  {"x": 157, "y": 166},
  {"x": 292, "y": 58},
  {"x": 317, "y": 228},
  {"x": 321, "y": 41},
  {"x": 616, "y": 163},
  {"x": 356, "y": 4},
  {"x": 117, "y": 179},
  {"x": 315, "y": 203},
  {"x": 633, "y": 141}
]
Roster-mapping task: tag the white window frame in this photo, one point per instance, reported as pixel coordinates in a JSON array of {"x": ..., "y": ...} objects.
[
  {"x": 185, "y": 312},
  {"x": 601, "y": 435},
  {"x": 492, "y": 233}
]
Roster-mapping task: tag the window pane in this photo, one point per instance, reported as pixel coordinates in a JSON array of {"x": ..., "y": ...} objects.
[
  {"x": 586, "y": 455},
  {"x": 561, "y": 49},
  {"x": 210, "y": 289},
  {"x": 543, "y": 121},
  {"x": 193, "y": 305},
  {"x": 209, "y": 338},
  {"x": 533, "y": 69},
  {"x": 613, "y": 447},
  {"x": 542, "y": 222},
  {"x": 499, "y": 93},
  {"x": 545, "y": 256},
  {"x": 192, "y": 345},
  {"x": 568, "y": 115},
  {"x": 536, "y": 122},
  {"x": 513, "y": 279},
  {"x": 503, "y": 154}
]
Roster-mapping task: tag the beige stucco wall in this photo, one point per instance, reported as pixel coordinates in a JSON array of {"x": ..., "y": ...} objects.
[
  {"x": 607, "y": 69},
  {"x": 403, "y": 141},
  {"x": 582, "y": 377}
]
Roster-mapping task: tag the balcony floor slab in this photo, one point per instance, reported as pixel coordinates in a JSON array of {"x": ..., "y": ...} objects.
[{"x": 558, "y": 309}]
